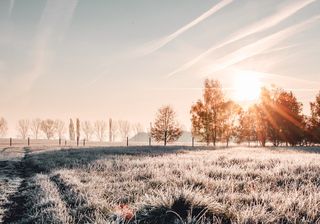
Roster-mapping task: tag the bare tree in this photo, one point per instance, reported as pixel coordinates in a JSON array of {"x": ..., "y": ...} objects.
[
  {"x": 60, "y": 128},
  {"x": 35, "y": 127},
  {"x": 137, "y": 128},
  {"x": 114, "y": 130},
  {"x": 124, "y": 128},
  {"x": 49, "y": 128},
  {"x": 3, "y": 127},
  {"x": 23, "y": 128},
  {"x": 100, "y": 129},
  {"x": 87, "y": 129},
  {"x": 165, "y": 127}
]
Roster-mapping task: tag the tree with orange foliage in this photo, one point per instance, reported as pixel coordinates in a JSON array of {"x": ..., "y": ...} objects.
[
  {"x": 207, "y": 115},
  {"x": 315, "y": 120}
]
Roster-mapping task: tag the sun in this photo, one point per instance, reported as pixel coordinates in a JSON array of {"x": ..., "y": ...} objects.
[{"x": 246, "y": 86}]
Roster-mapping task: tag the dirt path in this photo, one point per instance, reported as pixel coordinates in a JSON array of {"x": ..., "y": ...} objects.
[{"x": 17, "y": 175}]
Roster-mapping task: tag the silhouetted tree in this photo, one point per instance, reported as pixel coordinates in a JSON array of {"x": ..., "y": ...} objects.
[
  {"x": 71, "y": 130},
  {"x": 35, "y": 127},
  {"x": 165, "y": 127},
  {"x": 207, "y": 115},
  {"x": 3, "y": 127},
  {"x": 23, "y": 128},
  {"x": 49, "y": 128}
]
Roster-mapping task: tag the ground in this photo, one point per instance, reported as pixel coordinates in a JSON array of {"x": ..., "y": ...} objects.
[{"x": 160, "y": 185}]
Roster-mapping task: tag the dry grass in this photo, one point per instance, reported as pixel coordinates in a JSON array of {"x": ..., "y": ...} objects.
[{"x": 173, "y": 185}]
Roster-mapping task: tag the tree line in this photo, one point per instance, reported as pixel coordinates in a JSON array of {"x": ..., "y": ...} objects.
[
  {"x": 76, "y": 129},
  {"x": 277, "y": 118}
]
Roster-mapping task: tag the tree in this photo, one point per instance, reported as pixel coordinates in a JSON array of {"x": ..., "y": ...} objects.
[
  {"x": 231, "y": 114},
  {"x": 137, "y": 128},
  {"x": 124, "y": 128},
  {"x": 60, "y": 128},
  {"x": 23, "y": 128},
  {"x": 165, "y": 127},
  {"x": 35, "y": 127},
  {"x": 49, "y": 128},
  {"x": 207, "y": 115},
  {"x": 110, "y": 130},
  {"x": 314, "y": 129},
  {"x": 100, "y": 128},
  {"x": 3, "y": 127},
  {"x": 114, "y": 131},
  {"x": 247, "y": 129},
  {"x": 87, "y": 129},
  {"x": 78, "y": 128},
  {"x": 71, "y": 130},
  {"x": 290, "y": 119}
]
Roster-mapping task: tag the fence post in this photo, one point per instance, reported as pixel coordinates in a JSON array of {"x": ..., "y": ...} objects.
[
  {"x": 28, "y": 141},
  {"x": 149, "y": 141},
  {"x": 127, "y": 141},
  {"x": 59, "y": 141},
  {"x": 65, "y": 142},
  {"x": 77, "y": 141},
  {"x": 192, "y": 141},
  {"x": 10, "y": 141},
  {"x": 84, "y": 142}
]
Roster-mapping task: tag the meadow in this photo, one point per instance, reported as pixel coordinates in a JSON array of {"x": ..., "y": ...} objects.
[{"x": 156, "y": 184}]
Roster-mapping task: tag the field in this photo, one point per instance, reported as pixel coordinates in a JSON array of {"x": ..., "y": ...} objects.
[{"x": 159, "y": 185}]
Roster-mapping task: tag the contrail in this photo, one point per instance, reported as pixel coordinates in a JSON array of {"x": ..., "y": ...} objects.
[
  {"x": 260, "y": 45},
  {"x": 11, "y": 7},
  {"x": 156, "y": 45},
  {"x": 55, "y": 19},
  {"x": 255, "y": 28}
]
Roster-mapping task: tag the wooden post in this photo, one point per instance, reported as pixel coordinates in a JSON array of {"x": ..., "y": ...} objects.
[
  {"x": 127, "y": 141},
  {"x": 165, "y": 138},
  {"x": 28, "y": 141},
  {"x": 149, "y": 141},
  {"x": 77, "y": 141},
  {"x": 59, "y": 141},
  {"x": 192, "y": 141},
  {"x": 84, "y": 142},
  {"x": 65, "y": 142},
  {"x": 10, "y": 141}
]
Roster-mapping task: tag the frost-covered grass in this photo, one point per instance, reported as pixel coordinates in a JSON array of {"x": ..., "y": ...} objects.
[{"x": 174, "y": 185}]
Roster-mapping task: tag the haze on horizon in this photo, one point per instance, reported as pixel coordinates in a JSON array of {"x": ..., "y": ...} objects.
[{"x": 124, "y": 59}]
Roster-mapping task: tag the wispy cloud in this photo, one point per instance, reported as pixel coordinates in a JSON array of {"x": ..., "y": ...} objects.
[
  {"x": 262, "y": 25},
  {"x": 157, "y": 44},
  {"x": 55, "y": 20},
  {"x": 259, "y": 46}
]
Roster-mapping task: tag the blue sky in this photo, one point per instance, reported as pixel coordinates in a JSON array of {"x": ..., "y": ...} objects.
[{"x": 124, "y": 59}]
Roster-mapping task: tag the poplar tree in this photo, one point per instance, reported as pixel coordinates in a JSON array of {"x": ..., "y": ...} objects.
[{"x": 71, "y": 130}]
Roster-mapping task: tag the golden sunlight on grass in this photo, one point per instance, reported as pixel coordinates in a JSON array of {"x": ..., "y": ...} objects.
[{"x": 246, "y": 85}]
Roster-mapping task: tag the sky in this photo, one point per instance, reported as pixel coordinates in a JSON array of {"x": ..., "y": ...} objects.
[{"x": 102, "y": 59}]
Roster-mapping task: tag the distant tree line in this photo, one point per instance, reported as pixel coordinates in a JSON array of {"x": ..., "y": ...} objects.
[
  {"x": 51, "y": 129},
  {"x": 277, "y": 118}
]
